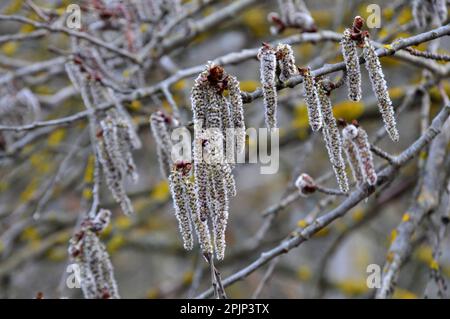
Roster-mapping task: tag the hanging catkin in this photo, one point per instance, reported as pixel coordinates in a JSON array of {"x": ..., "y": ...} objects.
[
  {"x": 380, "y": 89},
  {"x": 332, "y": 137},
  {"x": 351, "y": 60},
  {"x": 268, "y": 65}
]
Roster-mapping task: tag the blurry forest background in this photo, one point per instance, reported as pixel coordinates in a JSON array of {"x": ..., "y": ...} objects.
[{"x": 46, "y": 173}]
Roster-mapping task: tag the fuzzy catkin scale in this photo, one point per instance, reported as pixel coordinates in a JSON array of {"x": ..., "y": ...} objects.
[
  {"x": 380, "y": 89},
  {"x": 312, "y": 101},
  {"x": 268, "y": 65},
  {"x": 351, "y": 60},
  {"x": 359, "y": 138},
  {"x": 332, "y": 138}
]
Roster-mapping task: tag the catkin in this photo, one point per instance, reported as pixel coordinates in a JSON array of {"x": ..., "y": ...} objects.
[
  {"x": 352, "y": 158},
  {"x": 112, "y": 169},
  {"x": 160, "y": 125},
  {"x": 268, "y": 65},
  {"x": 332, "y": 138},
  {"x": 380, "y": 89},
  {"x": 220, "y": 217},
  {"x": 237, "y": 112},
  {"x": 312, "y": 100},
  {"x": 286, "y": 62},
  {"x": 180, "y": 204},
  {"x": 351, "y": 60},
  {"x": 359, "y": 138},
  {"x": 96, "y": 271},
  {"x": 213, "y": 116}
]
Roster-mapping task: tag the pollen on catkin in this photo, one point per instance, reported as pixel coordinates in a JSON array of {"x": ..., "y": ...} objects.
[
  {"x": 359, "y": 138},
  {"x": 332, "y": 137},
  {"x": 351, "y": 60},
  {"x": 312, "y": 100},
  {"x": 88, "y": 252},
  {"x": 268, "y": 66},
  {"x": 380, "y": 89}
]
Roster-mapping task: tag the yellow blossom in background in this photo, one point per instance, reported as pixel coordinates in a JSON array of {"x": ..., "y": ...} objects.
[
  {"x": 122, "y": 222},
  {"x": 400, "y": 293},
  {"x": 304, "y": 273},
  {"x": 135, "y": 105},
  {"x": 348, "y": 110},
  {"x": 161, "y": 191},
  {"x": 249, "y": 85},
  {"x": 56, "y": 137},
  {"x": 13, "y": 7},
  {"x": 9, "y": 48},
  {"x": 352, "y": 287},
  {"x": 424, "y": 253},
  {"x": 115, "y": 243},
  {"x": 255, "y": 19},
  {"x": 89, "y": 172}
]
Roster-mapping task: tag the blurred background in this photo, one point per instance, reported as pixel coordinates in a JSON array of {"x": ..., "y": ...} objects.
[{"x": 146, "y": 249}]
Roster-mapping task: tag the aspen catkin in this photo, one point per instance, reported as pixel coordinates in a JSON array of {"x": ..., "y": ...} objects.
[
  {"x": 361, "y": 142},
  {"x": 268, "y": 65},
  {"x": 351, "y": 61},
  {"x": 380, "y": 89},
  {"x": 286, "y": 62},
  {"x": 312, "y": 100},
  {"x": 332, "y": 137}
]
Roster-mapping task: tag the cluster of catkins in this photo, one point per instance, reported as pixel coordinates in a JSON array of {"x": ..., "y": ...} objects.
[
  {"x": 429, "y": 12},
  {"x": 359, "y": 156},
  {"x": 115, "y": 133},
  {"x": 219, "y": 133},
  {"x": 293, "y": 14},
  {"x": 357, "y": 149},
  {"x": 273, "y": 61},
  {"x": 96, "y": 276},
  {"x": 353, "y": 38}
]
